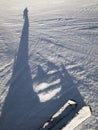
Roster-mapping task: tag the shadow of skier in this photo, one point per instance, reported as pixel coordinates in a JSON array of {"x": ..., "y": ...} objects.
[
  {"x": 19, "y": 106},
  {"x": 22, "y": 109}
]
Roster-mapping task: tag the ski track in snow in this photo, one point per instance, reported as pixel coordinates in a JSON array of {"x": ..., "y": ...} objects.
[{"x": 63, "y": 53}]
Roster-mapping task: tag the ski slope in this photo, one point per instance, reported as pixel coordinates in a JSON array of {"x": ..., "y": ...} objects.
[{"x": 47, "y": 58}]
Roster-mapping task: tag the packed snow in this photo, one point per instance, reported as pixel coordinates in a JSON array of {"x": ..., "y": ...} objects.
[{"x": 48, "y": 55}]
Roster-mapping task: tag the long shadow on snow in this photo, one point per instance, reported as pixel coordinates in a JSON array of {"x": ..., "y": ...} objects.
[
  {"x": 22, "y": 108},
  {"x": 21, "y": 100}
]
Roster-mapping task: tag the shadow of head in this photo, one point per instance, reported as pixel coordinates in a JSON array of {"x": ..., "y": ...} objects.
[{"x": 25, "y": 13}]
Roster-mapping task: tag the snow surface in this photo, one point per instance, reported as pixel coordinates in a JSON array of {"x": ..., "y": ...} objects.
[{"x": 46, "y": 59}]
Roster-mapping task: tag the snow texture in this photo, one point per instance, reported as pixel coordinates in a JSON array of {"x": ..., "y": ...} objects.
[{"x": 48, "y": 55}]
